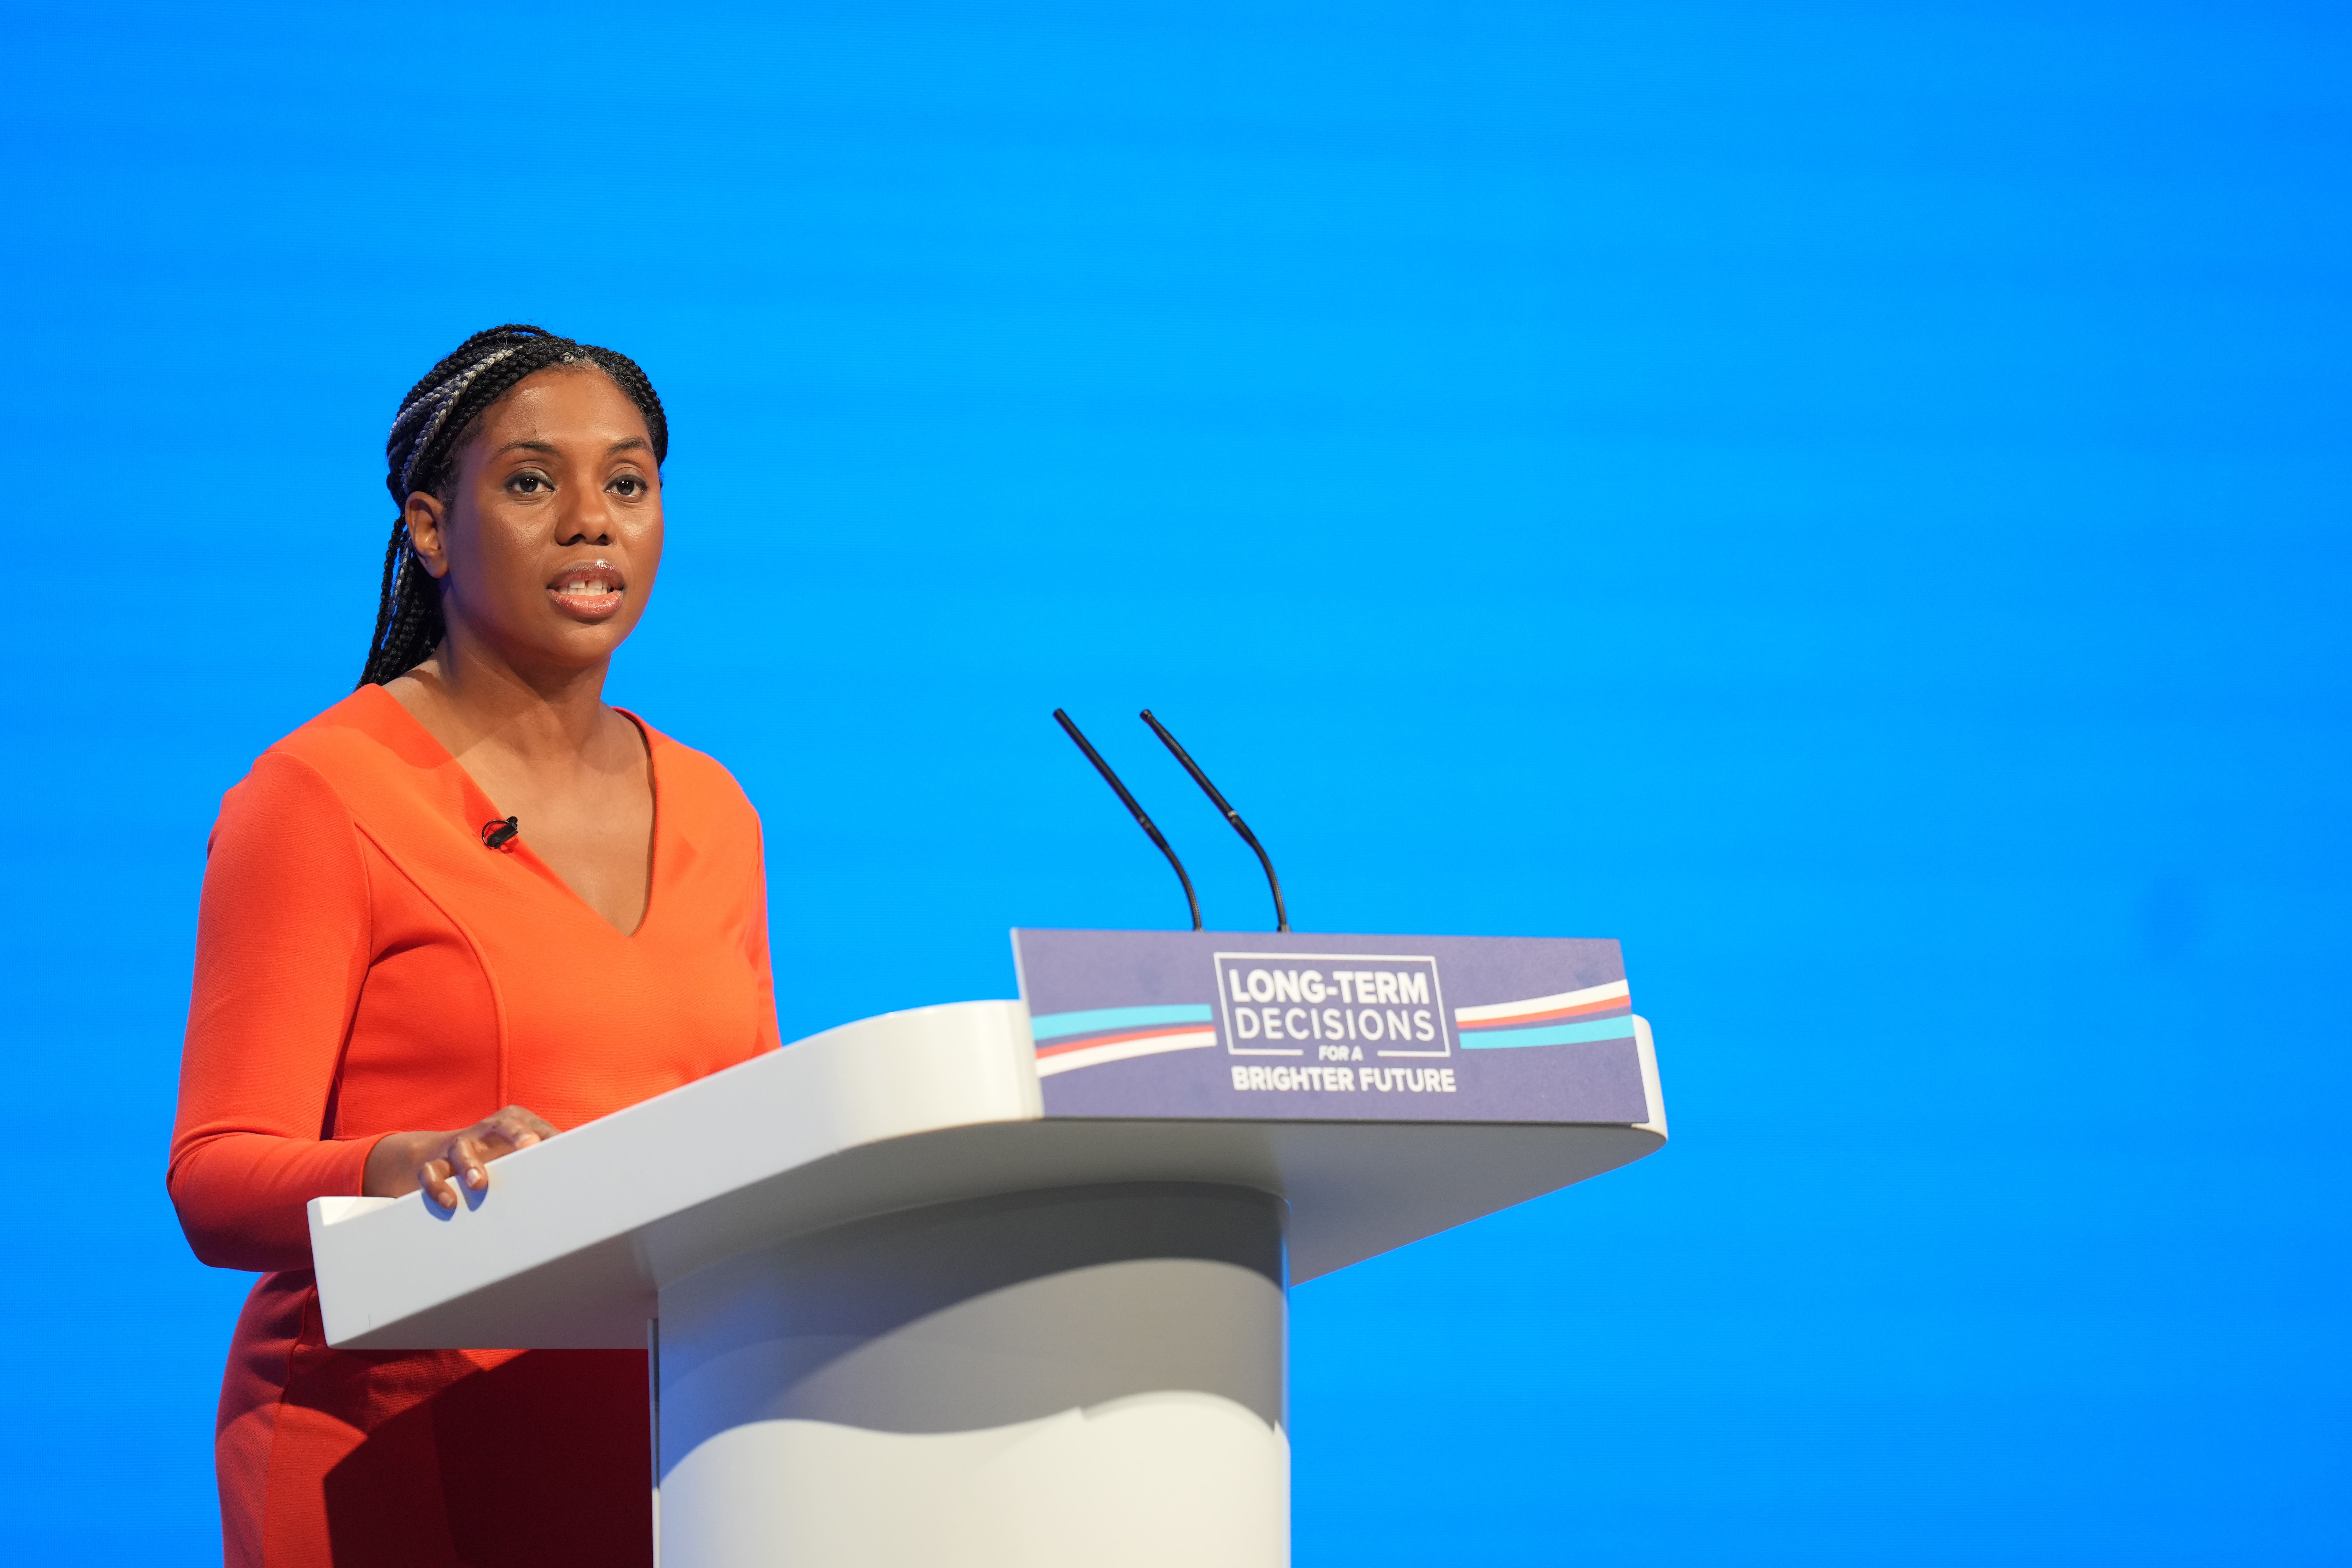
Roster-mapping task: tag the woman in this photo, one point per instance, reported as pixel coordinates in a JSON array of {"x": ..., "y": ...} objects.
[{"x": 468, "y": 906}]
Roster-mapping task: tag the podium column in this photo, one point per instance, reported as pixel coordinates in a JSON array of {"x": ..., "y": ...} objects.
[{"x": 1056, "y": 1379}]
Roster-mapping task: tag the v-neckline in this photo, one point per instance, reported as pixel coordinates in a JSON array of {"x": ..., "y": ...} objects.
[{"x": 478, "y": 799}]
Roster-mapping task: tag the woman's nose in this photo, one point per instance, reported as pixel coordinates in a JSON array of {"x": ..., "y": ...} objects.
[{"x": 587, "y": 521}]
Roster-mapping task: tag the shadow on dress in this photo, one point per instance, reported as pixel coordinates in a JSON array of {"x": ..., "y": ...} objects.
[{"x": 541, "y": 1460}]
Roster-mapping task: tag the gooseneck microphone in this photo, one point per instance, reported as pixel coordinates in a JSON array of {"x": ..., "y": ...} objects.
[
  {"x": 1111, "y": 779},
  {"x": 1281, "y": 919}
]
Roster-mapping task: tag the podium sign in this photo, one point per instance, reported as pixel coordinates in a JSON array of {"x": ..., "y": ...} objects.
[{"x": 1304, "y": 1026}]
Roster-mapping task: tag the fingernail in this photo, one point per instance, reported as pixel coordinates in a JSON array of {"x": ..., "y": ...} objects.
[
  {"x": 527, "y": 1140},
  {"x": 474, "y": 1177}
]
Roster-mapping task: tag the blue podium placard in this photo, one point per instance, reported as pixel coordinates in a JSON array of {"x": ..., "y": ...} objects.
[{"x": 1304, "y": 1026}]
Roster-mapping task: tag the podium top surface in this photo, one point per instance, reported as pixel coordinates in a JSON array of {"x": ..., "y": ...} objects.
[{"x": 574, "y": 1239}]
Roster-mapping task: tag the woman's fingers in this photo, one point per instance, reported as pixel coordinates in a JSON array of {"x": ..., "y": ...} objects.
[
  {"x": 434, "y": 1177},
  {"x": 499, "y": 1136},
  {"x": 521, "y": 1127},
  {"x": 464, "y": 1158},
  {"x": 511, "y": 1129},
  {"x": 469, "y": 1157}
]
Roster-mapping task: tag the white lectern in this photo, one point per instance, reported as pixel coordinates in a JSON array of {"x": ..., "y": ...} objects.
[{"x": 899, "y": 1314}]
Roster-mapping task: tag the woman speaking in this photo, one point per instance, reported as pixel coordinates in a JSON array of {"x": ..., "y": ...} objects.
[{"x": 465, "y": 908}]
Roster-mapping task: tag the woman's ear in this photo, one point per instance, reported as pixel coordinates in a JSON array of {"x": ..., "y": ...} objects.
[{"x": 425, "y": 514}]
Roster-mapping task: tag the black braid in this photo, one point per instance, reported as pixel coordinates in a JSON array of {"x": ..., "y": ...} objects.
[{"x": 427, "y": 437}]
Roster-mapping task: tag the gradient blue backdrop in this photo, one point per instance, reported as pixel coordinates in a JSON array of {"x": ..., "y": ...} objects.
[{"x": 1852, "y": 500}]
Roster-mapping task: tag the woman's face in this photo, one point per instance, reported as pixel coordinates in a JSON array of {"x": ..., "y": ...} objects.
[{"x": 547, "y": 547}]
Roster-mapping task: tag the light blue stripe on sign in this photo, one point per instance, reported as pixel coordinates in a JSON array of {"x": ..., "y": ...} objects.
[
  {"x": 1054, "y": 1026},
  {"x": 1582, "y": 1032}
]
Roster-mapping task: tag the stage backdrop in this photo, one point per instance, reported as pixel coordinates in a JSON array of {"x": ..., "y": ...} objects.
[{"x": 1851, "y": 501}]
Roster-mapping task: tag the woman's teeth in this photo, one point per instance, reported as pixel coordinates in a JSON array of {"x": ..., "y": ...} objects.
[{"x": 585, "y": 586}]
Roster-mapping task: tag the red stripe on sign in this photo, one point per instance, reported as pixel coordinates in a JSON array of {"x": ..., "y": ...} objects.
[
  {"x": 1603, "y": 1008},
  {"x": 1058, "y": 1047}
]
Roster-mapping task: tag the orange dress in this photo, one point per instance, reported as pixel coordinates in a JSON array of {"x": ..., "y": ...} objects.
[{"x": 364, "y": 966}]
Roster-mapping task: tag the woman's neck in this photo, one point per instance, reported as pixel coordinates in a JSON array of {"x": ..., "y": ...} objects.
[{"x": 470, "y": 699}]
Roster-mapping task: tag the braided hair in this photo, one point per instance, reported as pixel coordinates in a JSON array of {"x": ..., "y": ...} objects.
[{"x": 421, "y": 453}]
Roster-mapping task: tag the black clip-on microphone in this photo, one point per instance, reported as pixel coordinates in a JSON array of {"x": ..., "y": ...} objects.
[
  {"x": 496, "y": 833},
  {"x": 1281, "y": 919},
  {"x": 1154, "y": 832}
]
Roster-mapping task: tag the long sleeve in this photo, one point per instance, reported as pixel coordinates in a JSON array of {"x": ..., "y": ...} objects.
[
  {"x": 282, "y": 946},
  {"x": 768, "y": 1036}
]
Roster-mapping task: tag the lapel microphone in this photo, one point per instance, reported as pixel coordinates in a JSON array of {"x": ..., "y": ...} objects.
[{"x": 496, "y": 835}]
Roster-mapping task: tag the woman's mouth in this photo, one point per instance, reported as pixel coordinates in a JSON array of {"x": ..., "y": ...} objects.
[{"x": 591, "y": 592}]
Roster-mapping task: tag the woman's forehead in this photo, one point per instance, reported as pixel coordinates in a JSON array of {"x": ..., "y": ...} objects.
[{"x": 565, "y": 400}]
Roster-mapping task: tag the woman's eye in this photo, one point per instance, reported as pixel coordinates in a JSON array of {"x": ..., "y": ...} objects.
[
  {"x": 629, "y": 485},
  {"x": 528, "y": 484}
]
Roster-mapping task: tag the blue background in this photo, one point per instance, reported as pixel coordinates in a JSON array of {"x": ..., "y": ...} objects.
[{"x": 1850, "y": 500}]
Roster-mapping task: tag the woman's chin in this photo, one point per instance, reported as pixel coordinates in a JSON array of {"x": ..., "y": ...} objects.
[{"x": 572, "y": 644}]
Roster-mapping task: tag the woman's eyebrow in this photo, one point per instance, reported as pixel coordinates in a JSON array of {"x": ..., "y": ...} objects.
[{"x": 627, "y": 444}]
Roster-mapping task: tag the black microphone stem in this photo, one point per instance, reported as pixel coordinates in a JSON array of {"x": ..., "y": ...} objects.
[
  {"x": 1111, "y": 779},
  {"x": 1281, "y": 919}
]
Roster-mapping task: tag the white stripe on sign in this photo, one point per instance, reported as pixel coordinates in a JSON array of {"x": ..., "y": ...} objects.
[
  {"x": 1120, "y": 1051},
  {"x": 1616, "y": 991}
]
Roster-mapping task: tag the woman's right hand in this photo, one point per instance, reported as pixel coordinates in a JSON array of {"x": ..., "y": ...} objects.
[{"x": 436, "y": 1161}]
